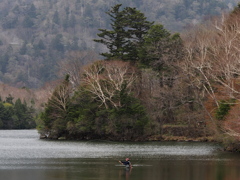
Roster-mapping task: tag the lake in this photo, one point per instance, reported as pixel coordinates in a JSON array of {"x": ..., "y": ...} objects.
[{"x": 23, "y": 156}]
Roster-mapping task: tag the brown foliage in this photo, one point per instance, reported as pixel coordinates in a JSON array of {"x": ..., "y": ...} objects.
[
  {"x": 213, "y": 65},
  {"x": 73, "y": 64},
  {"x": 37, "y": 96},
  {"x": 232, "y": 122},
  {"x": 23, "y": 94}
]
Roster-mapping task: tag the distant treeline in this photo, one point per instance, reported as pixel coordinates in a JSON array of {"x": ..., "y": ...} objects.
[{"x": 16, "y": 115}]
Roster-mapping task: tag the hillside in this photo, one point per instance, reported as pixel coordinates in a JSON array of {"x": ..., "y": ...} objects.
[{"x": 35, "y": 35}]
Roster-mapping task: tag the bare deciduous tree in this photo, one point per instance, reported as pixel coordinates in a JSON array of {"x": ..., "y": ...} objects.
[
  {"x": 197, "y": 65},
  {"x": 225, "y": 54},
  {"x": 213, "y": 62},
  {"x": 73, "y": 64},
  {"x": 60, "y": 97},
  {"x": 106, "y": 79}
]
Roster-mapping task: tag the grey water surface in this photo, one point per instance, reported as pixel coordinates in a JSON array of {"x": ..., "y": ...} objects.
[{"x": 23, "y": 156}]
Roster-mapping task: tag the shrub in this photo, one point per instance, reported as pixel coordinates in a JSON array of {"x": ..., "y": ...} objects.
[{"x": 223, "y": 109}]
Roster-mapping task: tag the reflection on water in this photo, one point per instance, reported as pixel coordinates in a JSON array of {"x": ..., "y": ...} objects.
[
  {"x": 23, "y": 156},
  {"x": 26, "y": 144}
]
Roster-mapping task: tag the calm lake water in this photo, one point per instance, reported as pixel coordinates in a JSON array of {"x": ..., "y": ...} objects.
[{"x": 23, "y": 156}]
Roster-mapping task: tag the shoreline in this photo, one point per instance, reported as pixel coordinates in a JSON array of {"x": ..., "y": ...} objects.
[{"x": 228, "y": 147}]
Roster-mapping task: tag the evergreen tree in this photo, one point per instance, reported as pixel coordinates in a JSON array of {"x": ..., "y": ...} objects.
[
  {"x": 160, "y": 48},
  {"x": 81, "y": 116},
  {"x": 31, "y": 12},
  {"x": 27, "y": 22},
  {"x": 57, "y": 43},
  {"x": 23, "y": 49},
  {"x": 128, "y": 28},
  {"x": 7, "y": 116},
  {"x": 56, "y": 18},
  {"x": 2, "y": 111},
  {"x": 156, "y": 34},
  {"x": 41, "y": 45},
  {"x": 16, "y": 115},
  {"x": 38, "y": 48},
  {"x": 65, "y": 22},
  {"x": 4, "y": 62},
  {"x": 9, "y": 99},
  {"x": 28, "y": 115},
  {"x": 74, "y": 45},
  {"x": 55, "y": 115},
  {"x": 9, "y": 22},
  {"x": 72, "y": 21},
  {"x": 16, "y": 10},
  {"x": 19, "y": 111}
]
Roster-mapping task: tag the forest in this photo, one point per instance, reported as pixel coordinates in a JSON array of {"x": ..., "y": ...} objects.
[
  {"x": 142, "y": 80},
  {"x": 16, "y": 115},
  {"x": 152, "y": 84},
  {"x": 36, "y": 36}
]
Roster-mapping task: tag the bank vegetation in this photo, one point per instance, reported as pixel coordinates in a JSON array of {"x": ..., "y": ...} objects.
[{"x": 152, "y": 85}]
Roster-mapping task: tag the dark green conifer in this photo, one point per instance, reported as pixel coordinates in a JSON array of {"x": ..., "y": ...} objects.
[
  {"x": 23, "y": 49},
  {"x": 56, "y": 18},
  {"x": 128, "y": 28},
  {"x": 27, "y": 22}
]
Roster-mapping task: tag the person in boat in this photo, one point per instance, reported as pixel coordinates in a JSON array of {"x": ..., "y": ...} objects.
[{"x": 126, "y": 163}]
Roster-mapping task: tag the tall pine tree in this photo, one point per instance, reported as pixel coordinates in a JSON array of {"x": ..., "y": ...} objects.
[{"x": 128, "y": 29}]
